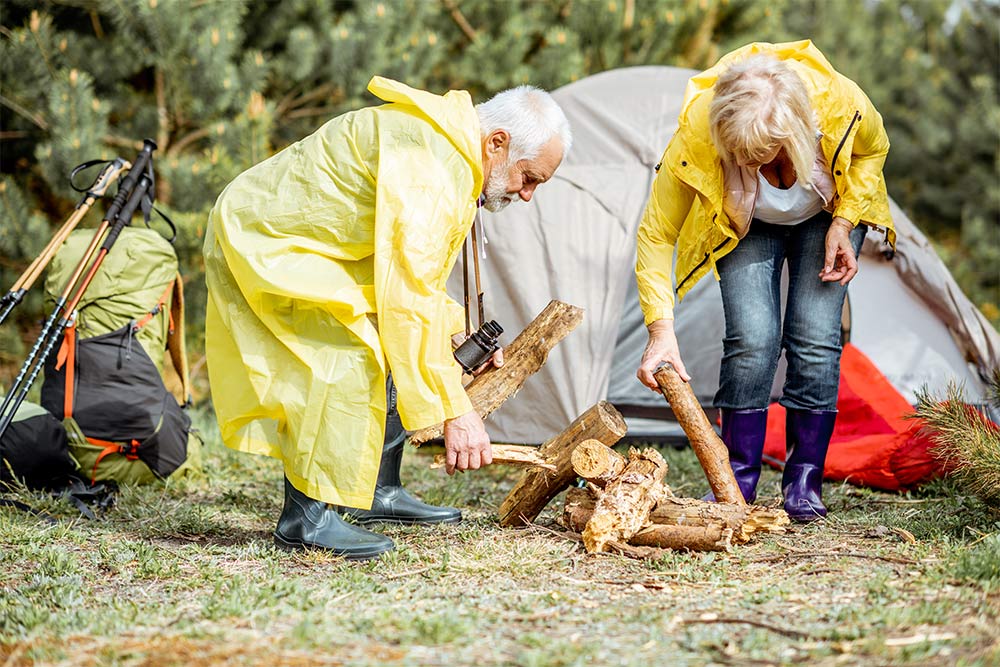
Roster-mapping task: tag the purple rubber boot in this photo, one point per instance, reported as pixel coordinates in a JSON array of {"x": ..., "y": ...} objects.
[
  {"x": 743, "y": 432},
  {"x": 808, "y": 438}
]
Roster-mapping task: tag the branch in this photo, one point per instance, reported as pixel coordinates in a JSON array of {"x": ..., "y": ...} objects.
[
  {"x": 121, "y": 142},
  {"x": 188, "y": 139},
  {"x": 794, "y": 634},
  {"x": 311, "y": 111},
  {"x": 290, "y": 102},
  {"x": 163, "y": 133},
  {"x": 459, "y": 18},
  {"x": 35, "y": 118}
]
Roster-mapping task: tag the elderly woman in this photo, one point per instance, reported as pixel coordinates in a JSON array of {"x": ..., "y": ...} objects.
[{"x": 777, "y": 158}]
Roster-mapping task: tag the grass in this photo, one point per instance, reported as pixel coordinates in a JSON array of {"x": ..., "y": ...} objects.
[{"x": 186, "y": 574}]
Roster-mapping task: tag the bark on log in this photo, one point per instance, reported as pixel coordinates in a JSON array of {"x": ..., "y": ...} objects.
[
  {"x": 707, "y": 445},
  {"x": 522, "y": 358},
  {"x": 597, "y": 463},
  {"x": 709, "y": 537},
  {"x": 537, "y": 487},
  {"x": 623, "y": 507},
  {"x": 743, "y": 520},
  {"x": 511, "y": 455}
]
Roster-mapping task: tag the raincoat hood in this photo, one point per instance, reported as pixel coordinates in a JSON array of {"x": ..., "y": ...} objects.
[{"x": 449, "y": 112}]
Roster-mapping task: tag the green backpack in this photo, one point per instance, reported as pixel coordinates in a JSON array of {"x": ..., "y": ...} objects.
[{"x": 107, "y": 381}]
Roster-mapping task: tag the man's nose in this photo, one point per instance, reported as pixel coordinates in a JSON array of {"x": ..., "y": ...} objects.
[{"x": 526, "y": 192}]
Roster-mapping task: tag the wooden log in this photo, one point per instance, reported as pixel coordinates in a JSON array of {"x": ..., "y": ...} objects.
[
  {"x": 597, "y": 463},
  {"x": 709, "y": 537},
  {"x": 743, "y": 520},
  {"x": 522, "y": 359},
  {"x": 511, "y": 455},
  {"x": 711, "y": 451},
  {"x": 693, "y": 538},
  {"x": 623, "y": 507},
  {"x": 537, "y": 487}
]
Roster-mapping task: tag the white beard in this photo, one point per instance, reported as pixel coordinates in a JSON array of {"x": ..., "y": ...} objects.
[{"x": 495, "y": 191}]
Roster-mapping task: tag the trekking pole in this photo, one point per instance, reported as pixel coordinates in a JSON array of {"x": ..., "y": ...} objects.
[
  {"x": 108, "y": 175},
  {"x": 134, "y": 187}
]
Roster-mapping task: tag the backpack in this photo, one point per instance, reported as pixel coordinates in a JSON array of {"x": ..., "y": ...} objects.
[
  {"x": 34, "y": 450},
  {"x": 106, "y": 383}
]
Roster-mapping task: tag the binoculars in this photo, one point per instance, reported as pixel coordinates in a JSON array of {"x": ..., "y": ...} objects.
[{"x": 479, "y": 347}]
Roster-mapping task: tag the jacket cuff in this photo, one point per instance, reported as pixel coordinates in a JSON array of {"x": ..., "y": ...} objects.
[
  {"x": 850, "y": 213},
  {"x": 658, "y": 313}
]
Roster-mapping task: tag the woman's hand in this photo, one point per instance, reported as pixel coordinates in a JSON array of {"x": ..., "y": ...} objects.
[
  {"x": 840, "y": 263},
  {"x": 661, "y": 348}
]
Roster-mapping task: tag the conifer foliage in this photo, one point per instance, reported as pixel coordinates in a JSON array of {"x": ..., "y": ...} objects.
[{"x": 221, "y": 85}]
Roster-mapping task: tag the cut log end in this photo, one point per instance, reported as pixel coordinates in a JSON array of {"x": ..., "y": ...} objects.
[
  {"x": 596, "y": 462},
  {"x": 529, "y": 496}
]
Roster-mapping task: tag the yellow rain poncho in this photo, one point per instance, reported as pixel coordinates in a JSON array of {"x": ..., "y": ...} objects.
[{"x": 326, "y": 267}]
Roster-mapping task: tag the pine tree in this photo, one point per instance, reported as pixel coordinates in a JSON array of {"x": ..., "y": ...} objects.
[
  {"x": 932, "y": 68},
  {"x": 222, "y": 85}
]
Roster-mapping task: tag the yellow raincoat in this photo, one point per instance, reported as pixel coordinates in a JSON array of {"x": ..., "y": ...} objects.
[
  {"x": 686, "y": 207},
  {"x": 326, "y": 267}
]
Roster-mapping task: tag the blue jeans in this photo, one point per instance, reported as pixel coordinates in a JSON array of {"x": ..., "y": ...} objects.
[{"x": 810, "y": 335}]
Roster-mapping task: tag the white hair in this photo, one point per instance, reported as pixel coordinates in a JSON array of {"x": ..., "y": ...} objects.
[{"x": 530, "y": 116}]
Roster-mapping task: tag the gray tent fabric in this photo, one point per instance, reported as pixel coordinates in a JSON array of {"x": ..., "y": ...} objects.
[{"x": 575, "y": 241}]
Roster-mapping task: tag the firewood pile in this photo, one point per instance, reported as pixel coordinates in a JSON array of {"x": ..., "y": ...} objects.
[{"x": 625, "y": 505}]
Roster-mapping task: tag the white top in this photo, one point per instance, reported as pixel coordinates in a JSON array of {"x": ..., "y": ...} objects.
[{"x": 786, "y": 207}]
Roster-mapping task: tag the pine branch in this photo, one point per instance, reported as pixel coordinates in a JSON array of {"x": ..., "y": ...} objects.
[
  {"x": 95, "y": 22},
  {"x": 121, "y": 142},
  {"x": 178, "y": 146},
  {"x": 311, "y": 111},
  {"x": 34, "y": 26},
  {"x": 163, "y": 120},
  {"x": 35, "y": 118},
  {"x": 288, "y": 104},
  {"x": 967, "y": 442},
  {"x": 459, "y": 18}
]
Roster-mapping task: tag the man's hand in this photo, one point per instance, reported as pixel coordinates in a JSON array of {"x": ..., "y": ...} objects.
[
  {"x": 840, "y": 264},
  {"x": 496, "y": 360},
  {"x": 660, "y": 348},
  {"x": 466, "y": 443}
]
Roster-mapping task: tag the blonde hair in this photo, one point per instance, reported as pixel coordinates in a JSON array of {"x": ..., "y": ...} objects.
[{"x": 761, "y": 104}]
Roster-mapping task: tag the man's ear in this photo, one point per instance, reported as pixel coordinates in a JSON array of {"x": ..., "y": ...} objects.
[{"x": 497, "y": 141}]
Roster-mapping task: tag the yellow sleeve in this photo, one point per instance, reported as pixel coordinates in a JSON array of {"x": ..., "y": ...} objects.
[
  {"x": 863, "y": 175},
  {"x": 667, "y": 208},
  {"x": 421, "y": 219}
]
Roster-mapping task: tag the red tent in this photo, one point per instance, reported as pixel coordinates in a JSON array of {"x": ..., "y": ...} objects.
[{"x": 872, "y": 444}]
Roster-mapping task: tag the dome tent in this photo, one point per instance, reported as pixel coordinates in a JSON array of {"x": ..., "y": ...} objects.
[{"x": 575, "y": 241}]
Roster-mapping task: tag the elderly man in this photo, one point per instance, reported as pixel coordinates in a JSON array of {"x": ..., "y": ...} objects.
[{"x": 326, "y": 267}]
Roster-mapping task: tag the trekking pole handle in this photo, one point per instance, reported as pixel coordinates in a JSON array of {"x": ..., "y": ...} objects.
[
  {"x": 125, "y": 191},
  {"x": 125, "y": 214},
  {"x": 108, "y": 176}
]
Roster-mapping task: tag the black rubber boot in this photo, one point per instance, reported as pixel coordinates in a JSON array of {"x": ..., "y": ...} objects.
[
  {"x": 311, "y": 524},
  {"x": 393, "y": 503},
  {"x": 743, "y": 432},
  {"x": 807, "y": 435}
]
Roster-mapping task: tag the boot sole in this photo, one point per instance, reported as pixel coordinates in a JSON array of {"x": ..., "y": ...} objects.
[
  {"x": 404, "y": 521},
  {"x": 296, "y": 545}
]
